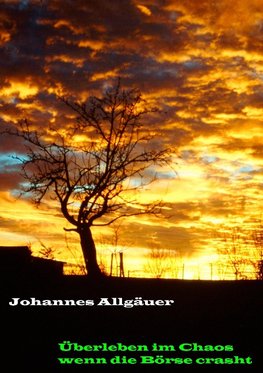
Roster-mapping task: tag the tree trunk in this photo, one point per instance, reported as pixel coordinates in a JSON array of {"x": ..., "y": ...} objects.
[{"x": 89, "y": 251}]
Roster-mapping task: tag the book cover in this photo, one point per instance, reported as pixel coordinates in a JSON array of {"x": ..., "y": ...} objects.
[{"x": 131, "y": 233}]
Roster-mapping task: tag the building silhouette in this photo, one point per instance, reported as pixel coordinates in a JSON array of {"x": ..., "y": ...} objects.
[{"x": 18, "y": 262}]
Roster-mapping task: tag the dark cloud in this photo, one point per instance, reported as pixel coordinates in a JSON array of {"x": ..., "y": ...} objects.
[
  {"x": 9, "y": 181},
  {"x": 178, "y": 239},
  {"x": 198, "y": 61}
]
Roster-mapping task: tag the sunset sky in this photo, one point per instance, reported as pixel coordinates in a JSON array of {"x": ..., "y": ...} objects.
[{"x": 200, "y": 62}]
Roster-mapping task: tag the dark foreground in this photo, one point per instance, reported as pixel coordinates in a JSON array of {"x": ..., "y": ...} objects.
[{"x": 217, "y": 314}]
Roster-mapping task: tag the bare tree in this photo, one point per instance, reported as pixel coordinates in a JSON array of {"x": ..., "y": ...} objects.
[
  {"x": 233, "y": 254},
  {"x": 242, "y": 252},
  {"x": 157, "y": 263},
  {"x": 95, "y": 181},
  {"x": 256, "y": 259},
  {"x": 116, "y": 245},
  {"x": 161, "y": 261},
  {"x": 47, "y": 252}
]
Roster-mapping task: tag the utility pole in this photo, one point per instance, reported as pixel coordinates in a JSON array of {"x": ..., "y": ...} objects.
[{"x": 121, "y": 265}]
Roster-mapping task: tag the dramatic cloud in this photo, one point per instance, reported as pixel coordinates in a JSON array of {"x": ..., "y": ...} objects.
[{"x": 200, "y": 62}]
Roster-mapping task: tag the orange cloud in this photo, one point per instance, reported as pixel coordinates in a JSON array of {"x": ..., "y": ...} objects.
[{"x": 199, "y": 62}]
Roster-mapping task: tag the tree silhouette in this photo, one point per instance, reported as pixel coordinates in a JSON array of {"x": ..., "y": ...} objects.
[
  {"x": 256, "y": 258},
  {"x": 95, "y": 180},
  {"x": 242, "y": 251},
  {"x": 233, "y": 253}
]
